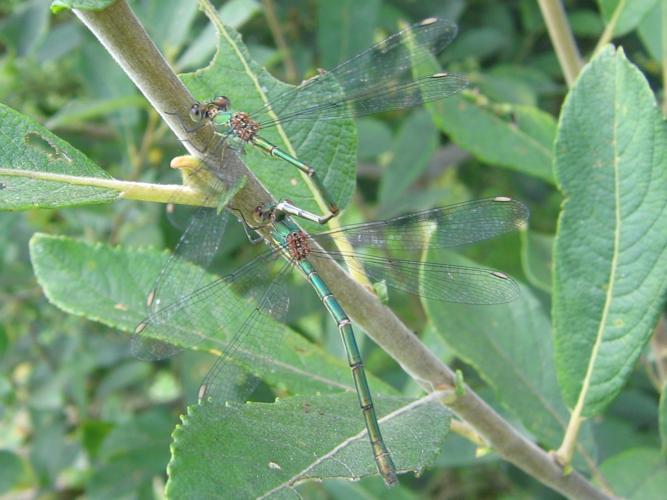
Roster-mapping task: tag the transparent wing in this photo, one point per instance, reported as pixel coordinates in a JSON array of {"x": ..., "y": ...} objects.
[
  {"x": 446, "y": 282},
  {"x": 443, "y": 227},
  {"x": 211, "y": 313},
  {"x": 379, "y": 249},
  {"x": 378, "y": 79},
  {"x": 180, "y": 277},
  {"x": 198, "y": 245},
  {"x": 387, "y": 98},
  {"x": 252, "y": 347}
]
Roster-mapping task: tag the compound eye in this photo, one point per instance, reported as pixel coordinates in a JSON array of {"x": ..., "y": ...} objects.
[
  {"x": 222, "y": 103},
  {"x": 195, "y": 112}
]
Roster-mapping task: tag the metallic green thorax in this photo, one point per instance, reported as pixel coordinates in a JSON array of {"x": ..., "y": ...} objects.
[
  {"x": 283, "y": 229},
  {"x": 222, "y": 118},
  {"x": 227, "y": 119}
]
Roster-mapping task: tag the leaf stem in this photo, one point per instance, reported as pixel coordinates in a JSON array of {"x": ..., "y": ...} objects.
[
  {"x": 608, "y": 32},
  {"x": 274, "y": 25},
  {"x": 566, "y": 450},
  {"x": 121, "y": 34},
  {"x": 160, "y": 193},
  {"x": 659, "y": 351},
  {"x": 467, "y": 431},
  {"x": 562, "y": 39},
  {"x": 663, "y": 33}
]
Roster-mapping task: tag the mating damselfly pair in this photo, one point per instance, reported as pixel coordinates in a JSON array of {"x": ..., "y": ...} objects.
[{"x": 181, "y": 312}]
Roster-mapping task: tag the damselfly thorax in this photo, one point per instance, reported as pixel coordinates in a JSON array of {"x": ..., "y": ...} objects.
[
  {"x": 218, "y": 111},
  {"x": 297, "y": 245},
  {"x": 387, "y": 76}
]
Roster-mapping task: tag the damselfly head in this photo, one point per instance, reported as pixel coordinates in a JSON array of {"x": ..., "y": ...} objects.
[
  {"x": 264, "y": 213},
  {"x": 198, "y": 111},
  {"x": 267, "y": 214}
]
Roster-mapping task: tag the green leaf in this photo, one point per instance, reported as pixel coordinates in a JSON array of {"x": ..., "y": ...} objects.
[
  {"x": 52, "y": 451},
  {"x": 257, "y": 449},
  {"x": 610, "y": 270},
  {"x": 38, "y": 169},
  {"x": 130, "y": 457},
  {"x": 514, "y": 136},
  {"x": 633, "y": 11},
  {"x": 93, "y": 434},
  {"x": 103, "y": 78},
  {"x": 477, "y": 43},
  {"x": 26, "y": 27},
  {"x": 110, "y": 285},
  {"x": 650, "y": 31},
  {"x": 411, "y": 151},
  {"x": 345, "y": 28},
  {"x": 329, "y": 146},
  {"x": 460, "y": 452},
  {"x": 375, "y": 136},
  {"x": 509, "y": 88},
  {"x": 662, "y": 419},
  {"x": 11, "y": 469},
  {"x": 615, "y": 435},
  {"x": 76, "y": 111},
  {"x": 639, "y": 473},
  {"x": 169, "y": 22},
  {"x": 233, "y": 13},
  {"x": 58, "y": 5},
  {"x": 537, "y": 259},
  {"x": 368, "y": 488},
  {"x": 585, "y": 23},
  {"x": 510, "y": 346},
  {"x": 122, "y": 375}
]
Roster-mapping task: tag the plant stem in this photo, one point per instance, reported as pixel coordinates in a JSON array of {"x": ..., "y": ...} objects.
[
  {"x": 159, "y": 193},
  {"x": 120, "y": 32},
  {"x": 663, "y": 32},
  {"x": 608, "y": 32},
  {"x": 274, "y": 25},
  {"x": 562, "y": 39},
  {"x": 659, "y": 350}
]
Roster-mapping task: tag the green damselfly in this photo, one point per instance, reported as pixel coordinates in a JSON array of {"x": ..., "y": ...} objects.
[
  {"x": 382, "y": 78},
  {"x": 183, "y": 312}
]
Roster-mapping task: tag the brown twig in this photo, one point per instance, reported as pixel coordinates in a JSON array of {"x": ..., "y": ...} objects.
[
  {"x": 123, "y": 36},
  {"x": 274, "y": 25}
]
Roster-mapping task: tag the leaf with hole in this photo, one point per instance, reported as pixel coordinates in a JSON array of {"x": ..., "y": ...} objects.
[{"x": 40, "y": 170}]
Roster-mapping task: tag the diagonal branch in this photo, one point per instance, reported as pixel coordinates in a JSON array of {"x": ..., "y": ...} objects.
[
  {"x": 562, "y": 39},
  {"x": 122, "y": 35}
]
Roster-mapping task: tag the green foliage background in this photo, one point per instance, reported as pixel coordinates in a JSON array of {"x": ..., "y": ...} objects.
[{"x": 79, "y": 416}]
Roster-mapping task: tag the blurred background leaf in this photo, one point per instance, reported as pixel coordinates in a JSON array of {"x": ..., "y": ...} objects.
[{"x": 82, "y": 418}]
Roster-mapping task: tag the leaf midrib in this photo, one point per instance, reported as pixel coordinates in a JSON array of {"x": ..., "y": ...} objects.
[
  {"x": 95, "y": 289},
  {"x": 613, "y": 263},
  {"x": 347, "y": 442}
]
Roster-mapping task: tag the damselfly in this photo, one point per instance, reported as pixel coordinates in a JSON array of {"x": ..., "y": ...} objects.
[
  {"x": 382, "y": 78},
  {"x": 184, "y": 312}
]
